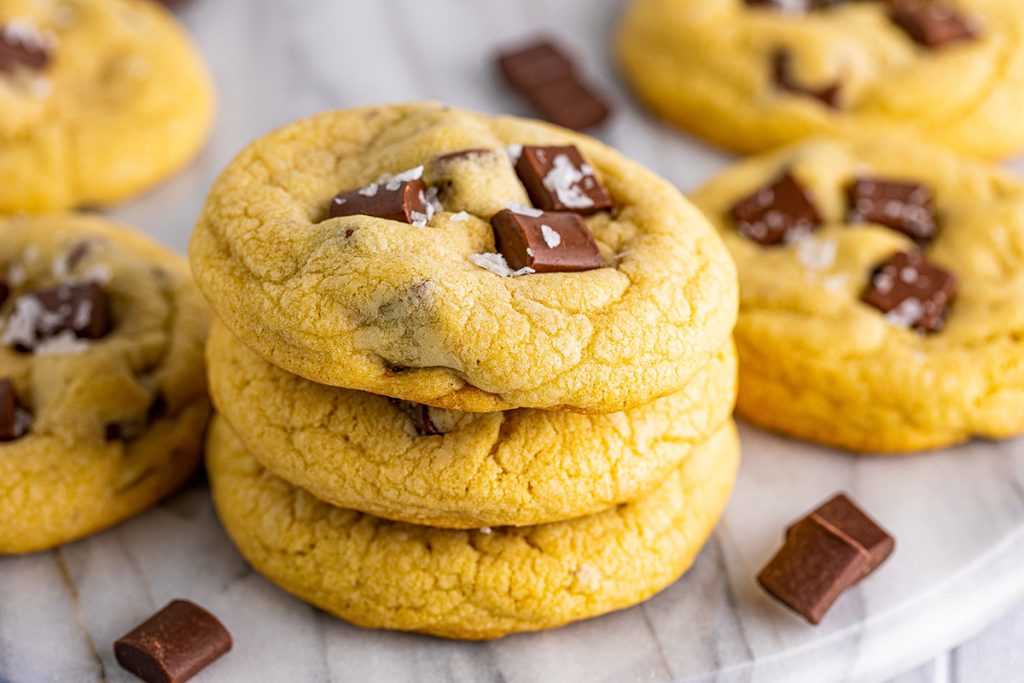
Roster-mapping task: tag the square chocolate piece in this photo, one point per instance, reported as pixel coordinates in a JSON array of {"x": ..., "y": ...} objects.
[
  {"x": 906, "y": 207},
  {"x": 404, "y": 201},
  {"x": 912, "y": 292},
  {"x": 174, "y": 644},
  {"x": 15, "y": 420},
  {"x": 569, "y": 103},
  {"x": 535, "y": 65},
  {"x": 813, "y": 568},
  {"x": 776, "y": 213},
  {"x": 21, "y": 49},
  {"x": 782, "y": 73},
  {"x": 843, "y": 514},
  {"x": 547, "y": 243},
  {"x": 932, "y": 23},
  {"x": 558, "y": 179},
  {"x": 81, "y": 308}
]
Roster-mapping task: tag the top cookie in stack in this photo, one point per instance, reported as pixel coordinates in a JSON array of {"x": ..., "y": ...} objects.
[{"x": 464, "y": 262}]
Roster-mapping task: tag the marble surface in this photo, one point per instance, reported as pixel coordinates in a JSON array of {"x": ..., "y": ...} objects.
[{"x": 958, "y": 515}]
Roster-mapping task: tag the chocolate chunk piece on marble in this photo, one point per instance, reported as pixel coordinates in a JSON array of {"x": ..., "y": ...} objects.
[
  {"x": 932, "y": 23},
  {"x": 546, "y": 242},
  {"x": 782, "y": 73},
  {"x": 558, "y": 179},
  {"x": 823, "y": 555},
  {"x": 174, "y": 644},
  {"x": 22, "y": 47},
  {"x": 531, "y": 66},
  {"x": 569, "y": 103},
  {"x": 15, "y": 420},
  {"x": 80, "y": 310},
  {"x": 912, "y": 292},
  {"x": 906, "y": 207},
  {"x": 778, "y": 212},
  {"x": 394, "y": 199},
  {"x": 420, "y": 416}
]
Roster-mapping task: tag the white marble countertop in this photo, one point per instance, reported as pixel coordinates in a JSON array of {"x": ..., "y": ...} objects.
[{"x": 958, "y": 516}]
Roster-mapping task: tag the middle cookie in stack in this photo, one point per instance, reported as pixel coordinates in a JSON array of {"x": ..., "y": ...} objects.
[{"x": 548, "y": 329}]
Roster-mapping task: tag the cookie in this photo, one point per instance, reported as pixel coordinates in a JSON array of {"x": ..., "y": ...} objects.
[
  {"x": 99, "y": 100},
  {"x": 753, "y": 74},
  {"x": 599, "y": 290},
  {"x": 468, "y": 584},
  {"x": 881, "y": 293},
  {"x": 103, "y": 402},
  {"x": 407, "y": 462}
]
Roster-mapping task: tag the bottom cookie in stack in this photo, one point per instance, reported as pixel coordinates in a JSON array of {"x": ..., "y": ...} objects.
[{"x": 471, "y": 584}]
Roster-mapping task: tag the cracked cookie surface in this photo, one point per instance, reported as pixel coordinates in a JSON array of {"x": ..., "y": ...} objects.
[
  {"x": 399, "y": 310},
  {"x": 819, "y": 362},
  {"x": 111, "y": 424},
  {"x": 361, "y": 451},
  {"x": 753, "y": 77},
  {"x": 120, "y": 100},
  {"x": 468, "y": 584}
]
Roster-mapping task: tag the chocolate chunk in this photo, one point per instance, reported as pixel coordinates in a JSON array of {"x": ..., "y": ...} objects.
[
  {"x": 15, "y": 421},
  {"x": 784, "y": 79},
  {"x": 932, "y": 23},
  {"x": 82, "y": 309},
  {"x": 535, "y": 65},
  {"x": 420, "y": 415},
  {"x": 5, "y": 291},
  {"x": 843, "y": 514},
  {"x": 903, "y": 206},
  {"x": 395, "y": 200},
  {"x": 22, "y": 48},
  {"x": 778, "y": 212},
  {"x": 548, "y": 243},
  {"x": 813, "y": 568},
  {"x": 569, "y": 103},
  {"x": 558, "y": 179},
  {"x": 912, "y": 292},
  {"x": 825, "y": 553},
  {"x": 174, "y": 644}
]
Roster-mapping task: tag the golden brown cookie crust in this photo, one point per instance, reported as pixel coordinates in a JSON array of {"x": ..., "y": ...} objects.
[
  {"x": 393, "y": 309},
  {"x": 361, "y": 451},
  {"x": 119, "y": 423},
  {"x": 818, "y": 363},
  {"x": 468, "y": 584}
]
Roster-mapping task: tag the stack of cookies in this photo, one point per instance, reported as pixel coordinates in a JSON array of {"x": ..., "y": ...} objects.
[{"x": 474, "y": 375}]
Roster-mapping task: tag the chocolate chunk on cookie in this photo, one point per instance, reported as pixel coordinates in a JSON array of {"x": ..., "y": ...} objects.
[
  {"x": 824, "y": 554},
  {"x": 548, "y": 242},
  {"x": 15, "y": 420},
  {"x": 932, "y": 23},
  {"x": 79, "y": 310},
  {"x": 778, "y": 212},
  {"x": 912, "y": 292},
  {"x": 174, "y": 644},
  {"x": 22, "y": 47},
  {"x": 782, "y": 73},
  {"x": 399, "y": 200},
  {"x": 558, "y": 179},
  {"x": 906, "y": 207}
]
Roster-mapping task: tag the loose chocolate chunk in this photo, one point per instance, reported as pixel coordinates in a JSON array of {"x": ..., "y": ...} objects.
[
  {"x": 903, "y": 206},
  {"x": 569, "y": 103},
  {"x": 558, "y": 179},
  {"x": 535, "y": 65},
  {"x": 15, "y": 421},
  {"x": 843, "y": 514},
  {"x": 813, "y": 568},
  {"x": 777, "y": 212},
  {"x": 21, "y": 48},
  {"x": 420, "y": 415},
  {"x": 784, "y": 79},
  {"x": 912, "y": 292},
  {"x": 396, "y": 200},
  {"x": 932, "y": 23},
  {"x": 82, "y": 309},
  {"x": 548, "y": 243},
  {"x": 174, "y": 644}
]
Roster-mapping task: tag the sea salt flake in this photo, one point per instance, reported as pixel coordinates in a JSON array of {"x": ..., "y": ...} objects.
[
  {"x": 907, "y": 313},
  {"x": 524, "y": 210},
  {"x": 370, "y": 190},
  {"x": 816, "y": 254},
  {"x": 563, "y": 179},
  {"x": 497, "y": 264},
  {"x": 514, "y": 152},
  {"x": 459, "y": 217},
  {"x": 65, "y": 343},
  {"x": 550, "y": 235}
]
